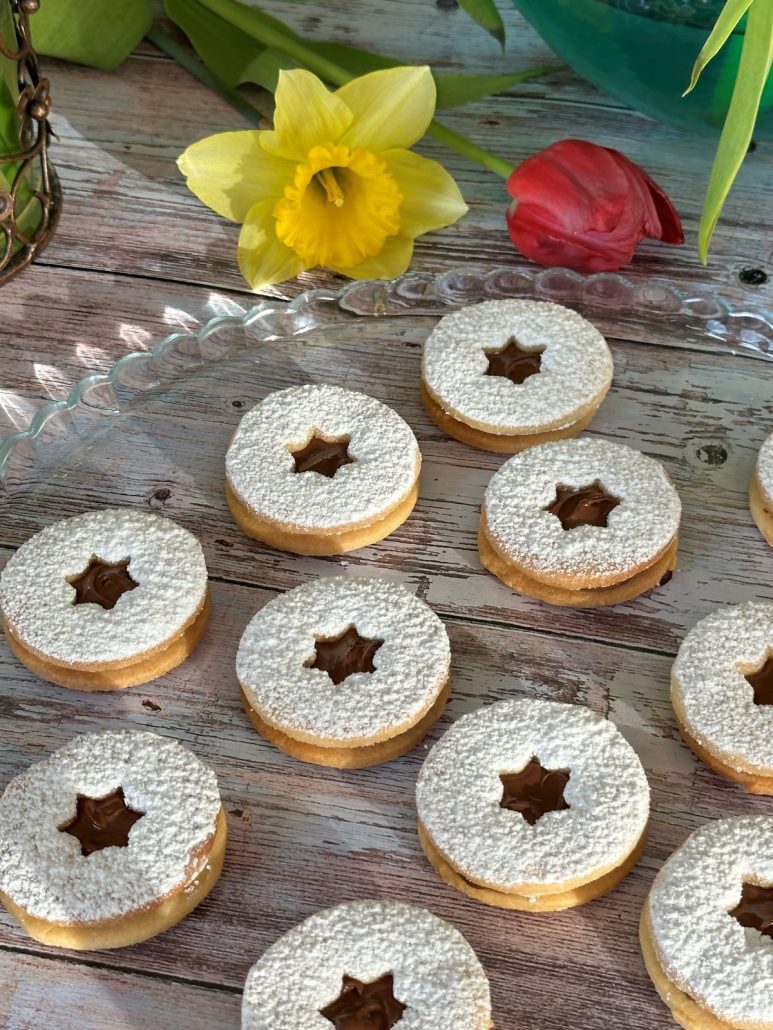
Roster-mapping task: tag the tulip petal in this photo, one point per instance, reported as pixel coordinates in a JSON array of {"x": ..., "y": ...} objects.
[
  {"x": 391, "y": 108},
  {"x": 431, "y": 198},
  {"x": 669, "y": 228},
  {"x": 307, "y": 115},
  {"x": 392, "y": 260},
  {"x": 230, "y": 171},
  {"x": 263, "y": 258}
]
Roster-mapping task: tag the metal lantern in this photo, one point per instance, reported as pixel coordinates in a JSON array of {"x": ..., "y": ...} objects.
[{"x": 30, "y": 197}]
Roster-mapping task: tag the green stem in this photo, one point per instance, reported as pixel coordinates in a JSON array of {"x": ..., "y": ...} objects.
[{"x": 268, "y": 35}]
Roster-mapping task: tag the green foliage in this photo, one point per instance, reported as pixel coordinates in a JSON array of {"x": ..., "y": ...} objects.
[
  {"x": 99, "y": 33},
  {"x": 486, "y": 15},
  {"x": 728, "y": 19}
]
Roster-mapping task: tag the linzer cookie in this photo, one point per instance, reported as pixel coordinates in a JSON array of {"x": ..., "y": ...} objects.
[
  {"x": 706, "y": 931},
  {"x": 580, "y": 522},
  {"x": 761, "y": 491},
  {"x": 321, "y": 470},
  {"x": 722, "y": 693},
  {"x": 109, "y": 841},
  {"x": 508, "y": 374},
  {"x": 532, "y": 805},
  {"x": 368, "y": 965},
  {"x": 105, "y": 600},
  {"x": 344, "y": 672}
]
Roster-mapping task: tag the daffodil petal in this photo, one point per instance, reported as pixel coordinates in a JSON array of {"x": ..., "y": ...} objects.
[
  {"x": 307, "y": 115},
  {"x": 391, "y": 108},
  {"x": 230, "y": 171},
  {"x": 431, "y": 198},
  {"x": 263, "y": 258},
  {"x": 393, "y": 259}
]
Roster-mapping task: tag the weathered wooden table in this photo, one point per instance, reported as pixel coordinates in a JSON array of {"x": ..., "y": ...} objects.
[{"x": 136, "y": 256}]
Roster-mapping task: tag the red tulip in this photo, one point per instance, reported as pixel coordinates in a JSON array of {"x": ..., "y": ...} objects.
[{"x": 581, "y": 206}]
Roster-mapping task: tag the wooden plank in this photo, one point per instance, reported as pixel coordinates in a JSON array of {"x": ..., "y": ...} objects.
[
  {"x": 704, "y": 415},
  {"x": 46, "y": 994},
  {"x": 302, "y": 837}
]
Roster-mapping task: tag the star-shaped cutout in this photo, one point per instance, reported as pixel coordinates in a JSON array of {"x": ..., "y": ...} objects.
[
  {"x": 365, "y": 1006},
  {"x": 102, "y": 582},
  {"x": 755, "y": 909},
  {"x": 102, "y": 822},
  {"x": 323, "y": 456},
  {"x": 761, "y": 681},
  {"x": 583, "y": 506},
  {"x": 344, "y": 655},
  {"x": 534, "y": 791},
  {"x": 514, "y": 362}
]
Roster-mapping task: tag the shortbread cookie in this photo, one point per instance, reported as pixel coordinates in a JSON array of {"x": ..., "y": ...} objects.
[
  {"x": 533, "y": 805},
  {"x": 321, "y": 470},
  {"x": 344, "y": 672},
  {"x": 508, "y": 374},
  {"x": 580, "y": 522},
  {"x": 707, "y": 925},
  {"x": 761, "y": 491},
  {"x": 369, "y": 965},
  {"x": 112, "y": 839},
  {"x": 105, "y": 600},
  {"x": 722, "y": 693}
]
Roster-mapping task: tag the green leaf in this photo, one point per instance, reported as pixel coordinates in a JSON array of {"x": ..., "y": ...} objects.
[
  {"x": 232, "y": 55},
  {"x": 729, "y": 17},
  {"x": 99, "y": 33},
  {"x": 753, "y": 71},
  {"x": 487, "y": 16}
]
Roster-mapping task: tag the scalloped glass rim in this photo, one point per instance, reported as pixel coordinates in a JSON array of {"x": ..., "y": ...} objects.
[{"x": 748, "y": 330}]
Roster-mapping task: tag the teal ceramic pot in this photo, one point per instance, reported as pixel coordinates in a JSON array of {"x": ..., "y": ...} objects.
[{"x": 642, "y": 52}]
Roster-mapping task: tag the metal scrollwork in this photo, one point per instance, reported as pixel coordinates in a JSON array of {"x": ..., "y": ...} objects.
[{"x": 30, "y": 178}]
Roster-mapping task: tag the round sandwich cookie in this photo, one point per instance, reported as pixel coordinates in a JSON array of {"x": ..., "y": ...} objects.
[
  {"x": 533, "y": 805},
  {"x": 761, "y": 491},
  {"x": 706, "y": 930},
  {"x": 344, "y": 672},
  {"x": 580, "y": 522},
  {"x": 505, "y": 375},
  {"x": 722, "y": 693},
  {"x": 321, "y": 470},
  {"x": 368, "y": 965},
  {"x": 112, "y": 839},
  {"x": 105, "y": 600}
]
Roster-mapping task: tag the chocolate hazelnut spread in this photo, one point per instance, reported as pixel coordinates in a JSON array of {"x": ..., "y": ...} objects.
[
  {"x": 762, "y": 683},
  {"x": 755, "y": 909},
  {"x": 534, "y": 791},
  {"x": 586, "y": 506},
  {"x": 102, "y": 822},
  {"x": 102, "y": 582},
  {"x": 365, "y": 1006},
  {"x": 514, "y": 363},
  {"x": 345, "y": 655},
  {"x": 323, "y": 456}
]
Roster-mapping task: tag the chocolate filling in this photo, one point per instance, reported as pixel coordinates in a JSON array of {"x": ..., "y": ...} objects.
[
  {"x": 365, "y": 1006},
  {"x": 323, "y": 456},
  {"x": 344, "y": 655},
  {"x": 534, "y": 791},
  {"x": 513, "y": 362},
  {"x": 755, "y": 909},
  {"x": 102, "y": 582},
  {"x": 586, "y": 506},
  {"x": 762, "y": 683},
  {"x": 102, "y": 822}
]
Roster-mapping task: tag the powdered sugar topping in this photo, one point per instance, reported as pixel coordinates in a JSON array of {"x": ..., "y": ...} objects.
[
  {"x": 459, "y": 792},
  {"x": 165, "y": 560},
  {"x": 716, "y": 700},
  {"x": 724, "y": 966},
  {"x": 765, "y": 469},
  {"x": 576, "y": 365},
  {"x": 43, "y": 870},
  {"x": 437, "y": 975},
  {"x": 411, "y": 666},
  {"x": 261, "y": 469},
  {"x": 638, "y": 530}
]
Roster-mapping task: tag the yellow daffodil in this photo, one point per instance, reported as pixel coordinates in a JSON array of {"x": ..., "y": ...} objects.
[{"x": 334, "y": 182}]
